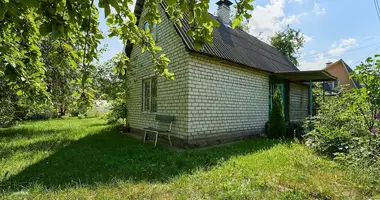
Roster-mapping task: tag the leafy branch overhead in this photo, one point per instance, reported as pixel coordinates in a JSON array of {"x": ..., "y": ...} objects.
[{"x": 72, "y": 26}]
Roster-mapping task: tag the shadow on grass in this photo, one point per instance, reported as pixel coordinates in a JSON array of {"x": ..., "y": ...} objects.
[{"x": 108, "y": 155}]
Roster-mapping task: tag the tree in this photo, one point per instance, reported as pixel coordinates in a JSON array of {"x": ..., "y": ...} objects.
[
  {"x": 368, "y": 74},
  {"x": 59, "y": 78},
  {"x": 289, "y": 42},
  {"x": 72, "y": 27},
  {"x": 277, "y": 126}
]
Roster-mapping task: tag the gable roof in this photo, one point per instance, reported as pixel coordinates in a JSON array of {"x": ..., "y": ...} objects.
[
  {"x": 234, "y": 45},
  {"x": 349, "y": 70}
]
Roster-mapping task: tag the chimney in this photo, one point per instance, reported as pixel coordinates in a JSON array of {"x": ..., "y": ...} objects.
[
  {"x": 223, "y": 12},
  {"x": 328, "y": 63}
]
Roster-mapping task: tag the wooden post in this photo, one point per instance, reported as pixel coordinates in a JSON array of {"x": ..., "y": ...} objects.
[
  {"x": 311, "y": 98},
  {"x": 323, "y": 91}
]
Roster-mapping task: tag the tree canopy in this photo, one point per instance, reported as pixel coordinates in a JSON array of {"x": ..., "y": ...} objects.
[
  {"x": 71, "y": 28},
  {"x": 289, "y": 42}
]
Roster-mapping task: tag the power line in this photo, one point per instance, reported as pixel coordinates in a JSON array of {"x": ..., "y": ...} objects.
[
  {"x": 368, "y": 55},
  {"x": 377, "y": 8}
]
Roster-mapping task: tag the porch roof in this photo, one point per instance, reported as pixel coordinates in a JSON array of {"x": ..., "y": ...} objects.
[{"x": 305, "y": 76}]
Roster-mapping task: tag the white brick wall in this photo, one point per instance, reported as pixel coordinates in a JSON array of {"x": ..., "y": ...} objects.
[
  {"x": 171, "y": 95},
  {"x": 225, "y": 98},
  {"x": 298, "y": 102},
  {"x": 208, "y": 98}
]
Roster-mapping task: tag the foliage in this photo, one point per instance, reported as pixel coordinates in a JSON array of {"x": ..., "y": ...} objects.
[
  {"x": 368, "y": 74},
  {"x": 277, "y": 126},
  {"x": 72, "y": 27},
  {"x": 363, "y": 153},
  {"x": 109, "y": 82},
  {"x": 289, "y": 42},
  {"x": 294, "y": 129},
  {"x": 87, "y": 159},
  {"x": 59, "y": 78},
  {"x": 119, "y": 110},
  {"x": 337, "y": 121},
  {"x": 347, "y": 125}
]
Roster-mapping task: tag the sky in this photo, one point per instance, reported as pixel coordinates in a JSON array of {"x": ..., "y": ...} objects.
[{"x": 333, "y": 29}]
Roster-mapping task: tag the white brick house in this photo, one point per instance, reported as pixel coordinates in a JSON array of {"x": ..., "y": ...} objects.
[{"x": 218, "y": 93}]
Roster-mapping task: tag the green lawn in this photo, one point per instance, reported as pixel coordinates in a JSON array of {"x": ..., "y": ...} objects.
[{"x": 72, "y": 158}]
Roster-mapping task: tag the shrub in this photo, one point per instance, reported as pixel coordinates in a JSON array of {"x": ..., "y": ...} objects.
[
  {"x": 119, "y": 110},
  {"x": 294, "y": 129},
  {"x": 277, "y": 127},
  {"x": 347, "y": 126},
  {"x": 81, "y": 116}
]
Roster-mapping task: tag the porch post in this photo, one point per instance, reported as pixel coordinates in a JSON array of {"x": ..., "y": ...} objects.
[
  {"x": 323, "y": 91},
  {"x": 311, "y": 98}
]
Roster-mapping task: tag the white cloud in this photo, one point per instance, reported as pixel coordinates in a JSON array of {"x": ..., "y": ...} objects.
[
  {"x": 314, "y": 61},
  {"x": 296, "y": 1},
  {"x": 265, "y": 20},
  {"x": 268, "y": 19},
  {"x": 292, "y": 19},
  {"x": 318, "y": 10},
  {"x": 307, "y": 38},
  {"x": 343, "y": 46}
]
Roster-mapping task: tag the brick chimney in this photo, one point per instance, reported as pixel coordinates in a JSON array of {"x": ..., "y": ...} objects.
[{"x": 223, "y": 12}]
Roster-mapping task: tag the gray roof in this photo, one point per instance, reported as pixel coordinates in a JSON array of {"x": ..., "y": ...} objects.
[{"x": 235, "y": 45}]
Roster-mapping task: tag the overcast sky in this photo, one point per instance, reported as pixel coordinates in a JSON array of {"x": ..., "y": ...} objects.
[{"x": 334, "y": 29}]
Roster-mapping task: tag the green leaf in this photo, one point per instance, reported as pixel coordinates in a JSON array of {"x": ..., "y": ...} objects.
[
  {"x": 19, "y": 93},
  {"x": 107, "y": 10},
  {"x": 3, "y": 10},
  {"x": 45, "y": 29},
  {"x": 54, "y": 31},
  {"x": 236, "y": 21},
  {"x": 157, "y": 48}
]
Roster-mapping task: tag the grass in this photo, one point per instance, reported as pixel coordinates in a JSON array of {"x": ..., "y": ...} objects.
[{"x": 86, "y": 159}]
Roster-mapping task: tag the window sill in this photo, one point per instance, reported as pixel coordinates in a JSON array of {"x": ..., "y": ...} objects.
[{"x": 148, "y": 113}]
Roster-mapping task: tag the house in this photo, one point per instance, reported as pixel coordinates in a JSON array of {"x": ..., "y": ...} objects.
[
  {"x": 341, "y": 70},
  {"x": 222, "y": 91}
]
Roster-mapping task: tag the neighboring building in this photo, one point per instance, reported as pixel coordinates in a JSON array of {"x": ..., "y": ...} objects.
[
  {"x": 342, "y": 71},
  {"x": 222, "y": 91}
]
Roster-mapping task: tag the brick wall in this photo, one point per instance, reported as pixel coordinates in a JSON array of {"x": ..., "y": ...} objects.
[
  {"x": 208, "y": 98},
  {"x": 298, "y": 102},
  {"x": 226, "y": 99},
  {"x": 171, "y": 95}
]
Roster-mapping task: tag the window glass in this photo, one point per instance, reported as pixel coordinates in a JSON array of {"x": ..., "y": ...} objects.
[
  {"x": 154, "y": 94},
  {"x": 146, "y": 26},
  {"x": 146, "y": 95},
  {"x": 149, "y": 95}
]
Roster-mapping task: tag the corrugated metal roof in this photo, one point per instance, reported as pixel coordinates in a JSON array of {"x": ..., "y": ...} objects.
[
  {"x": 234, "y": 45},
  {"x": 237, "y": 46}
]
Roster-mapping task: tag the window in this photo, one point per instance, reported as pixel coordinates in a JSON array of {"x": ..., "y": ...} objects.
[
  {"x": 149, "y": 95},
  {"x": 335, "y": 84},
  {"x": 146, "y": 26},
  {"x": 153, "y": 30}
]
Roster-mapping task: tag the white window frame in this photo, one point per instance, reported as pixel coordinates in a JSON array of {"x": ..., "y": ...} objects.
[{"x": 144, "y": 82}]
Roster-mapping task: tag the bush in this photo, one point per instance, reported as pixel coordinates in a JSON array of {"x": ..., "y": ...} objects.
[
  {"x": 81, "y": 116},
  {"x": 277, "y": 127},
  {"x": 294, "y": 129},
  {"x": 119, "y": 110},
  {"x": 347, "y": 126},
  {"x": 363, "y": 152}
]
